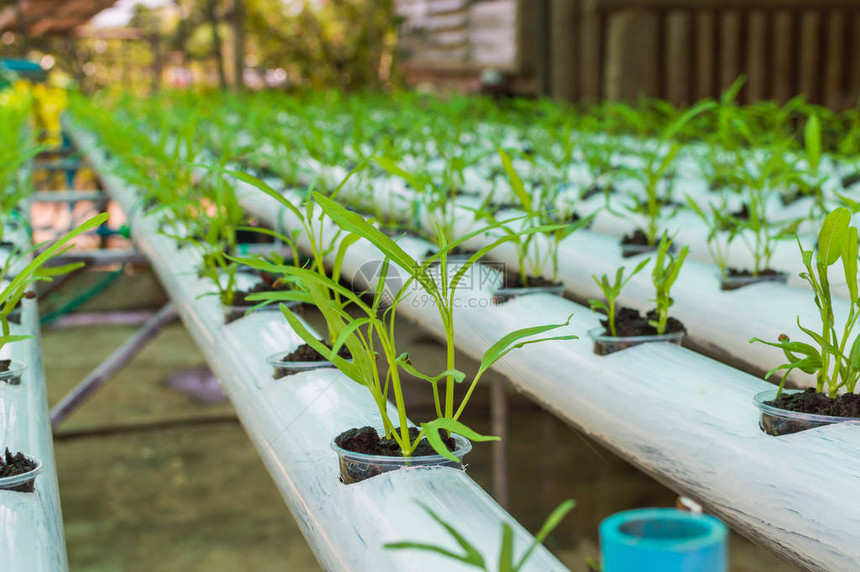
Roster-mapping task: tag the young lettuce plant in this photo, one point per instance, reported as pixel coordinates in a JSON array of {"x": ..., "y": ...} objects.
[
  {"x": 666, "y": 269},
  {"x": 659, "y": 163},
  {"x": 506, "y": 560},
  {"x": 759, "y": 177},
  {"x": 311, "y": 226},
  {"x": 371, "y": 335},
  {"x": 836, "y": 361},
  {"x": 532, "y": 257},
  {"x": 611, "y": 293},
  {"x": 722, "y": 229}
]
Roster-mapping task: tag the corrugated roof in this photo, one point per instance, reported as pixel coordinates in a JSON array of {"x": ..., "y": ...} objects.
[{"x": 43, "y": 17}]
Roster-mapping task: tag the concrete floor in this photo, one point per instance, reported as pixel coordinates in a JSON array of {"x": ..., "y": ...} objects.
[{"x": 153, "y": 479}]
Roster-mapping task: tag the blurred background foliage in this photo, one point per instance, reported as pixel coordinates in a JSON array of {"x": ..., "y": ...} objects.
[{"x": 292, "y": 44}]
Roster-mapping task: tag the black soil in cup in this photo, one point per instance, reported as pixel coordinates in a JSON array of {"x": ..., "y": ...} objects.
[
  {"x": 17, "y": 464},
  {"x": 851, "y": 180},
  {"x": 305, "y": 354},
  {"x": 596, "y": 189},
  {"x": 811, "y": 402},
  {"x": 635, "y": 243},
  {"x": 630, "y": 323},
  {"x": 766, "y": 275},
  {"x": 513, "y": 282},
  {"x": 366, "y": 441},
  {"x": 6, "y": 365},
  {"x": 241, "y": 303}
]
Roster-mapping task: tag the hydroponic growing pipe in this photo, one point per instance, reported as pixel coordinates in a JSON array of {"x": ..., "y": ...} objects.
[
  {"x": 31, "y": 524},
  {"x": 685, "y": 419},
  {"x": 292, "y": 421}
]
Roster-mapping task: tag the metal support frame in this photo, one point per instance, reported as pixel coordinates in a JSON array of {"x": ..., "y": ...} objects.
[
  {"x": 101, "y": 257},
  {"x": 113, "y": 364},
  {"x": 499, "y": 423},
  {"x": 68, "y": 196}
]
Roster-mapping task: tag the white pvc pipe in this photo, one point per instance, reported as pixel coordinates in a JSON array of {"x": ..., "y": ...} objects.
[
  {"x": 31, "y": 524},
  {"x": 292, "y": 421}
]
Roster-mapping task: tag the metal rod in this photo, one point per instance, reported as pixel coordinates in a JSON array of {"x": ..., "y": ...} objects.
[
  {"x": 68, "y": 196},
  {"x": 159, "y": 425},
  {"x": 114, "y": 363},
  {"x": 101, "y": 257},
  {"x": 499, "y": 422},
  {"x": 109, "y": 318}
]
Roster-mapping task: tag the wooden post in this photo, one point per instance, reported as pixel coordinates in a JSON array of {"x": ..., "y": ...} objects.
[
  {"x": 562, "y": 51},
  {"x": 705, "y": 54},
  {"x": 543, "y": 46},
  {"x": 756, "y": 57},
  {"x": 591, "y": 62},
  {"x": 21, "y": 22},
  {"x": 631, "y": 55},
  {"x": 217, "y": 51},
  {"x": 678, "y": 57},
  {"x": 155, "y": 44},
  {"x": 835, "y": 58},
  {"x": 239, "y": 45},
  {"x": 730, "y": 49},
  {"x": 809, "y": 75},
  {"x": 783, "y": 38}
]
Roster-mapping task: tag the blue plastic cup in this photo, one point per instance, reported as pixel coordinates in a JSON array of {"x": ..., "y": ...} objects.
[{"x": 664, "y": 540}]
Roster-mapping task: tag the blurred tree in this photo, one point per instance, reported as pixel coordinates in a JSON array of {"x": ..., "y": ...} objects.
[{"x": 347, "y": 44}]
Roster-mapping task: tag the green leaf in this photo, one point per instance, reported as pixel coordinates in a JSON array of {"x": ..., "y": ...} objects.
[
  {"x": 25, "y": 275},
  {"x": 353, "y": 222},
  {"x": 511, "y": 341},
  {"x": 255, "y": 182},
  {"x": 431, "y": 432},
  {"x": 832, "y": 237},
  {"x": 404, "y": 363},
  {"x": 465, "y": 559},
  {"x": 13, "y": 338},
  {"x": 347, "y": 331},
  {"x": 391, "y": 167},
  {"x": 849, "y": 261},
  {"x": 506, "y": 554},
  {"x": 812, "y": 140},
  {"x": 596, "y": 304},
  {"x": 854, "y": 354},
  {"x": 471, "y": 555},
  {"x": 552, "y": 521},
  {"x": 516, "y": 182}
]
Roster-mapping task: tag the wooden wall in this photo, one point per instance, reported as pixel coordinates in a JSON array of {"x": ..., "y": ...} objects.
[
  {"x": 684, "y": 50},
  {"x": 680, "y": 50},
  {"x": 457, "y": 38}
]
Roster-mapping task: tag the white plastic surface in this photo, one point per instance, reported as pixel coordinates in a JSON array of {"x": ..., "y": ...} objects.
[{"x": 31, "y": 524}]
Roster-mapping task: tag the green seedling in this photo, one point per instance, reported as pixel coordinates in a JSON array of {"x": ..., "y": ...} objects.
[
  {"x": 835, "y": 357},
  {"x": 611, "y": 291},
  {"x": 666, "y": 269},
  {"x": 506, "y": 561},
  {"x": 371, "y": 336}
]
